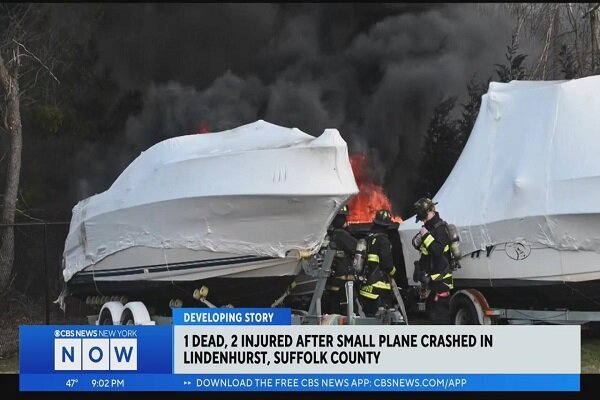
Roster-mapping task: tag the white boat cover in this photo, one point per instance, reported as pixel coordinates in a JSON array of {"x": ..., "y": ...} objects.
[
  {"x": 531, "y": 160},
  {"x": 259, "y": 189}
]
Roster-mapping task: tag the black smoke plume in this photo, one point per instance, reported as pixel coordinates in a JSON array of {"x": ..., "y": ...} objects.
[{"x": 373, "y": 71}]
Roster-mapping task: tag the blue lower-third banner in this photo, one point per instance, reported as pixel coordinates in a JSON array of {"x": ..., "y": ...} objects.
[
  {"x": 296, "y": 382},
  {"x": 200, "y": 354}
]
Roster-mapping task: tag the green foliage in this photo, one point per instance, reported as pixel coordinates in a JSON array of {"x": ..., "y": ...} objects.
[
  {"x": 89, "y": 103},
  {"x": 446, "y": 138},
  {"x": 88, "y": 93},
  {"x": 447, "y": 135},
  {"x": 568, "y": 64},
  {"x": 88, "y": 107},
  {"x": 470, "y": 109},
  {"x": 590, "y": 356},
  {"x": 514, "y": 69},
  {"x": 46, "y": 119},
  {"x": 29, "y": 195},
  {"x": 441, "y": 148}
]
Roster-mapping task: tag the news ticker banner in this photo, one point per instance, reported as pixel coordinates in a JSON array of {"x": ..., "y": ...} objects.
[{"x": 260, "y": 350}]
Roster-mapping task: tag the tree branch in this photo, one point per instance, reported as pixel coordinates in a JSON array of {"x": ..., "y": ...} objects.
[
  {"x": 591, "y": 10},
  {"x": 24, "y": 14},
  {"x": 38, "y": 60},
  {"x": 14, "y": 58},
  {"x": 27, "y": 87},
  {"x": 4, "y": 75}
]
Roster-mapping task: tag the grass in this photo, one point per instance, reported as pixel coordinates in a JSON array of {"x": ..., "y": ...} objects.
[
  {"x": 9, "y": 365},
  {"x": 590, "y": 356}
]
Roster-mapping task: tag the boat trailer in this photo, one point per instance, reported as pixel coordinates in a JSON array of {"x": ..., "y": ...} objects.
[
  {"x": 136, "y": 313},
  {"x": 314, "y": 315}
]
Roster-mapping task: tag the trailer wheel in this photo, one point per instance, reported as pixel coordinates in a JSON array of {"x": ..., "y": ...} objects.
[
  {"x": 127, "y": 317},
  {"x": 110, "y": 314},
  {"x": 136, "y": 313},
  {"x": 105, "y": 317},
  {"x": 463, "y": 312}
]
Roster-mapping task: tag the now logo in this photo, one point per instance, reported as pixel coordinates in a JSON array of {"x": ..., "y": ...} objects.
[{"x": 95, "y": 354}]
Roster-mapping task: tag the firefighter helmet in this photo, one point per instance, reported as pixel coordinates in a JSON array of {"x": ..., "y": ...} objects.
[
  {"x": 341, "y": 218},
  {"x": 344, "y": 210},
  {"x": 383, "y": 217},
  {"x": 423, "y": 206}
]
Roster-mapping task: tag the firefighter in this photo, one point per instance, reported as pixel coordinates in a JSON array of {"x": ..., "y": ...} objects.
[
  {"x": 342, "y": 269},
  {"x": 377, "y": 290},
  {"x": 433, "y": 269}
]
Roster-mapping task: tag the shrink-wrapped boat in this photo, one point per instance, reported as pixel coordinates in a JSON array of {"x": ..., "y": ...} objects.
[
  {"x": 525, "y": 196},
  {"x": 235, "y": 211}
]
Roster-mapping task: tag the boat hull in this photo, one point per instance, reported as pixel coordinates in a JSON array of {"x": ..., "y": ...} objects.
[
  {"x": 251, "y": 281},
  {"x": 537, "y": 295},
  {"x": 247, "y": 292},
  {"x": 559, "y": 269}
]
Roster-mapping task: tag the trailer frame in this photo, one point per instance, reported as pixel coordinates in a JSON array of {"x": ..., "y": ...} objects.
[
  {"x": 115, "y": 312},
  {"x": 470, "y": 307}
]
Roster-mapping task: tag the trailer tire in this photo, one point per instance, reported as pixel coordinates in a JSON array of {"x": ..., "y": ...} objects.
[
  {"x": 136, "y": 313},
  {"x": 110, "y": 314},
  {"x": 463, "y": 312},
  {"x": 105, "y": 317},
  {"x": 127, "y": 317}
]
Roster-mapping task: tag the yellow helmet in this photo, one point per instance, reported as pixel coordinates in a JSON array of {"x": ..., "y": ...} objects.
[
  {"x": 383, "y": 217},
  {"x": 344, "y": 210}
]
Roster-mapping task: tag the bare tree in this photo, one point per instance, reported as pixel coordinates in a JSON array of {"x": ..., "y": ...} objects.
[
  {"x": 24, "y": 43},
  {"x": 592, "y": 15},
  {"x": 567, "y": 34}
]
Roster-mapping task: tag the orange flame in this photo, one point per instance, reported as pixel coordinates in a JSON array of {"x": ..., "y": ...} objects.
[
  {"x": 202, "y": 128},
  {"x": 370, "y": 198}
]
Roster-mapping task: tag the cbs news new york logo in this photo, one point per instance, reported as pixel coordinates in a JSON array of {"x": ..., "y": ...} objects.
[{"x": 95, "y": 354}]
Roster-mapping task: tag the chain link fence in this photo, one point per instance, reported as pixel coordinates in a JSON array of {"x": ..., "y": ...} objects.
[{"x": 36, "y": 283}]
